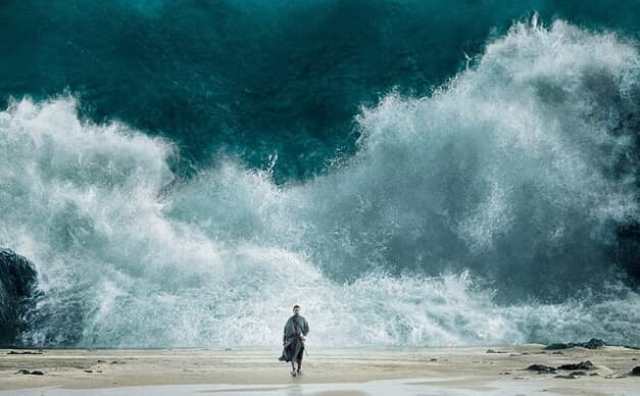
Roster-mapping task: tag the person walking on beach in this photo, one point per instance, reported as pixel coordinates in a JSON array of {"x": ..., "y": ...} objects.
[{"x": 295, "y": 331}]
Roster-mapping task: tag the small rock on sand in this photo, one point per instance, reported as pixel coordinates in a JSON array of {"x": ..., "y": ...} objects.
[
  {"x": 635, "y": 371},
  {"x": 586, "y": 365},
  {"x": 27, "y": 372},
  {"x": 541, "y": 369}
]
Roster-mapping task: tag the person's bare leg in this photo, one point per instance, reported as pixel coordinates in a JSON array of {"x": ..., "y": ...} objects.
[
  {"x": 300, "y": 366},
  {"x": 293, "y": 368}
]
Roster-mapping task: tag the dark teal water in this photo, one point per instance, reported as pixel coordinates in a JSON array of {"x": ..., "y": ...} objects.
[{"x": 254, "y": 78}]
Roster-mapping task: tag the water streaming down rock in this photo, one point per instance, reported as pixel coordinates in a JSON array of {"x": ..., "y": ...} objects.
[{"x": 502, "y": 188}]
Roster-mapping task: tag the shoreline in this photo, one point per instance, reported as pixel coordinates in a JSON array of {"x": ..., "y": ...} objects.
[{"x": 339, "y": 371}]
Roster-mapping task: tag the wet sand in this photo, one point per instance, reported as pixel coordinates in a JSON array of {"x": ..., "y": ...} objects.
[{"x": 327, "y": 372}]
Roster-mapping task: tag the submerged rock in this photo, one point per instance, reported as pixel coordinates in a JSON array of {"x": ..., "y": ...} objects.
[
  {"x": 17, "y": 286},
  {"x": 557, "y": 346},
  {"x": 593, "y": 343}
]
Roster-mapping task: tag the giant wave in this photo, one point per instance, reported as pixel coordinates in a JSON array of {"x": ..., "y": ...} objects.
[{"x": 485, "y": 212}]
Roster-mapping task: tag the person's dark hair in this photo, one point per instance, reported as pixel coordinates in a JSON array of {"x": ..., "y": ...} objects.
[{"x": 296, "y": 306}]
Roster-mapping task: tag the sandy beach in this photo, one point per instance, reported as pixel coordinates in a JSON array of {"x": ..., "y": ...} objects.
[{"x": 346, "y": 371}]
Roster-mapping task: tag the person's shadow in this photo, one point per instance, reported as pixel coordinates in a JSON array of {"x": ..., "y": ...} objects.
[{"x": 294, "y": 390}]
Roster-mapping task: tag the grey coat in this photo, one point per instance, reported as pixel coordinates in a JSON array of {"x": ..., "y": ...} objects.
[
  {"x": 293, "y": 346},
  {"x": 296, "y": 325}
]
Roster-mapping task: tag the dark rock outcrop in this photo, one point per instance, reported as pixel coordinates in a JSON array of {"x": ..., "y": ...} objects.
[
  {"x": 593, "y": 343},
  {"x": 586, "y": 365},
  {"x": 30, "y": 372},
  {"x": 635, "y": 371},
  {"x": 17, "y": 287},
  {"x": 541, "y": 369}
]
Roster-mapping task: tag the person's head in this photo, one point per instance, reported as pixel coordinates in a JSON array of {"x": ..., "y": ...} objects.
[{"x": 296, "y": 309}]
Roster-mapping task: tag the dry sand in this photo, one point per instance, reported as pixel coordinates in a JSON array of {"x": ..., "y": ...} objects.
[{"x": 350, "y": 371}]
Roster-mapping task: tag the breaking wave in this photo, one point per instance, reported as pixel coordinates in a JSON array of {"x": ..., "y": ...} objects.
[{"x": 485, "y": 212}]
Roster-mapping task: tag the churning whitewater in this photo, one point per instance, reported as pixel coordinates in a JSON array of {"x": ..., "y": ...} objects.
[{"x": 482, "y": 213}]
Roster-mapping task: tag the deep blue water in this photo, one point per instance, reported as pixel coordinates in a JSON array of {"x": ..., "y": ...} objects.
[{"x": 254, "y": 78}]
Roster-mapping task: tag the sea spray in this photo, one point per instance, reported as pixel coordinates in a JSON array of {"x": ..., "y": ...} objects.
[{"x": 482, "y": 213}]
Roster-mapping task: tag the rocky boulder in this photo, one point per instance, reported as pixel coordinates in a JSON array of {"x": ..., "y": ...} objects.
[{"x": 17, "y": 286}]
